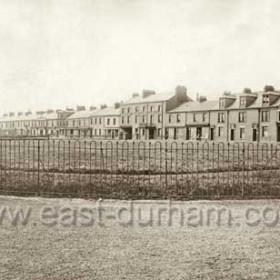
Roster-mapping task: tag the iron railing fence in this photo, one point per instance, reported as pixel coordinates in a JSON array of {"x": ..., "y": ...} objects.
[{"x": 139, "y": 170}]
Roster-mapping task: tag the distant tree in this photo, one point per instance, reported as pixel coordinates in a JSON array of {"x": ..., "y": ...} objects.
[
  {"x": 268, "y": 88},
  {"x": 247, "y": 90}
]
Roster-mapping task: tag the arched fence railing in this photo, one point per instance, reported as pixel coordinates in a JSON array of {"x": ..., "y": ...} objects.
[{"x": 140, "y": 170}]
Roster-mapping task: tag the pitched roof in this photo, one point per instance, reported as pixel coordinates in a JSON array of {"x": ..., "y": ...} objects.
[
  {"x": 81, "y": 114},
  {"x": 152, "y": 98},
  {"x": 109, "y": 111},
  {"x": 196, "y": 106}
]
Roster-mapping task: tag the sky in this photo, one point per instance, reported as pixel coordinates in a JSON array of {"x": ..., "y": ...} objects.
[{"x": 57, "y": 54}]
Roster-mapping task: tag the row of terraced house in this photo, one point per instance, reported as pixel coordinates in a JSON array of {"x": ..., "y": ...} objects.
[{"x": 245, "y": 116}]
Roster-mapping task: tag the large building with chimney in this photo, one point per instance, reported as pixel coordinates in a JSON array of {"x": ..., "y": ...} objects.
[{"x": 143, "y": 117}]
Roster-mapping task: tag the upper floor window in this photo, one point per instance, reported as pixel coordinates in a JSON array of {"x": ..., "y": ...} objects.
[
  {"x": 159, "y": 108},
  {"x": 159, "y": 118},
  {"x": 128, "y": 109},
  {"x": 108, "y": 121},
  {"x": 204, "y": 117},
  {"x": 241, "y": 117},
  {"x": 136, "y": 109},
  {"x": 170, "y": 118},
  {"x": 178, "y": 118},
  {"x": 194, "y": 117},
  {"x": 222, "y": 102},
  {"x": 265, "y": 99},
  {"x": 123, "y": 110},
  {"x": 242, "y": 101},
  {"x": 221, "y": 117},
  {"x": 151, "y": 119},
  {"x": 151, "y": 108},
  {"x": 265, "y": 116},
  {"x": 114, "y": 121},
  {"x": 144, "y": 108},
  {"x": 136, "y": 119}
]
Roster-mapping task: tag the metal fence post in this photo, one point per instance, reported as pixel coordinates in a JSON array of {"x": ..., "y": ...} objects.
[{"x": 38, "y": 166}]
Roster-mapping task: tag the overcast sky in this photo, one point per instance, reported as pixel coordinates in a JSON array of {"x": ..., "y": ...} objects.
[{"x": 55, "y": 53}]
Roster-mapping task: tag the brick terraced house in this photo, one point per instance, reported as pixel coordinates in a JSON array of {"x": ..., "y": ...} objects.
[{"x": 246, "y": 116}]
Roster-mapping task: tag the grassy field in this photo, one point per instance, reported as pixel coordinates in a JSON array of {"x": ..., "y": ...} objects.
[
  {"x": 112, "y": 251},
  {"x": 147, "y": 170}
]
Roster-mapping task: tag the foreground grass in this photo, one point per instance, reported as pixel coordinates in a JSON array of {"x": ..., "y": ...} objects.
[{"x": 112, "y": 251}]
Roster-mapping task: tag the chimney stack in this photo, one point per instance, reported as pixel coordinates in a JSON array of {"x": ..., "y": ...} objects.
[
  {"x": 146, "y": 93},
  {"x": 28, "y": 113},
  {"x": 117, "y": 105},
  {"x": 134, "y": 95},
  {"x": 50, "y": 111},
  {"x": 11, "y": 114},
  {"x": 181, "y": 93},
  {"x": 20, "y": 114},
  {"x": 268, "y": 88},
  {"x": 202, "y": 98},
  {"x": 81, "y": 108},
  {"x": 92, "y": 108},
  {"x": 103, "y": 106}
]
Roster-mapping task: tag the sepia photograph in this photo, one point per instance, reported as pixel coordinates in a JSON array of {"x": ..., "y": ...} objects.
[{"x": 139, "y": 139}]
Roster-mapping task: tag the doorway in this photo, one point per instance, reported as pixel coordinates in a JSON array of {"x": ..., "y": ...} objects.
[
  {"x": 255, "y": 134},
  {"x": 212, "y": 133},
  {"x": 278, "y": 133},
  {"x": 232, "y": 134},
  {"x": 198, "y": 133}
]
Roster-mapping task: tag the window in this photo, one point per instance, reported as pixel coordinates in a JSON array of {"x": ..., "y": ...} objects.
[
  {"x": 194, "y": 117},
  {"x": 265, "y": 116},
  {"x": 220, "y": 131},
  {"x": 265, "y": 99},
  {"x": 159, "y": 108},
  {"x": 123, "y": 110},
  {"x": 135, "y": 119},
  {"x": 242, "y": 133},
  {"x": 114, "y": 121},
  {"x": 178, "y": 118},
  {"x": 170, "y": 118},
  {"x": 241, "y": 117},
  {"x": 143, "y": 119},
  {"x": 128, "y": 110},
  {"x": 108, "y": 121},
  {"x": 159, "y": 118},
  {"x": 100, "y": 121},
  {"x": 95, "y": 120},
  {"x": 122, "y": 120},
  {"x": 265, "y": 131},
  {"x": 143, "y": 108},
  {"x": 159, "y": 132},
  {"x": 222, "y": 103},
  {"x": 221, "y": 117},
  {"x": 204, "y": 117},
  {"x": 151, "y": 108},
  {"x": 128, "y": 119},
  {"x": 99, "y": 131},
  {"x": 243, "y": 101},
  {"x": 136, "y": 109},
  {"x": 151, "y": 119}
]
